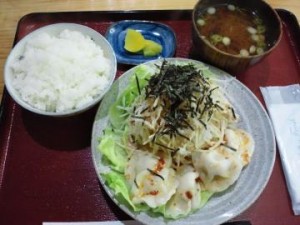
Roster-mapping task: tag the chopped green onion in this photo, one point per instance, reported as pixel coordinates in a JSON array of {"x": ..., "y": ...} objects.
[
  {"x": 201, "y": 22},
  {"x": 251, "y": 30},
  {"x": 255, "y": 37},
  {"x": 244, "y": 52},
  {"x": 231, "y": 7},
  {"x": 215, "y": 39},
  {"x": 252, "y": 49},
  {"x": 211, "y": 10},
  {"x": 226, "y": 41},
  {"x": 261, "y": 44},
  {"x": 257, "y": 21},
  {"x": 259, "y": 51},
  {"x": 261, "y": 29}
]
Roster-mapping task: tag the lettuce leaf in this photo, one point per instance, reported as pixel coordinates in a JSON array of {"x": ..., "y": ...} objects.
[
  {"x": 117, "y": 114},
  {"x": 112, "y": 151},
  {"x": 205, "y": 196},
  {"x": 110, "y": 142},
  {"x": 116, "y": 181}
]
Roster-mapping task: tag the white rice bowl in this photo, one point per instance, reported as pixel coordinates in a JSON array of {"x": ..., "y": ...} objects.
[{"x": 60, "y": 69}]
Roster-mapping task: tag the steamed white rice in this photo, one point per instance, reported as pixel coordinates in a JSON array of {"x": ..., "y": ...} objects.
[{"x": 60, "y": 73}]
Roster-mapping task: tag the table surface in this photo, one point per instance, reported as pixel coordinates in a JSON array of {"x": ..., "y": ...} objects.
[{"x": 12, "y": 10}]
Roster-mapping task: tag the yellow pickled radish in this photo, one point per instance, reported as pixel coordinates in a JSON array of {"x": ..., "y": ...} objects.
[
  {"x": 134, "y": 41},
  {"x": 151, "y": 48}
]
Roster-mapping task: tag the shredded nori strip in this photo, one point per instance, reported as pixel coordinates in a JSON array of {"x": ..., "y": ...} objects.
[
  {"x": 164, "y": 146},
  {"x": 202, "y": 123},
  {"x": 138, "y": 117},
  {"x": 178, "y": 86},
  {"x": 155, "y": 174},
  {"x": 184, "y": 93},
  {"x": 229, "y": 147},
  {"x": 144, "y": 110},
  {"x": 173, "y": 153},
  {"x": 136, "y": 183},
  {"x": 233, "y": 113},
  {"x": 138, "y": 84}
]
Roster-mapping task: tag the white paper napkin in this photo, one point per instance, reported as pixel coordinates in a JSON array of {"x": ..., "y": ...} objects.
[{"x": 283, "y": 104}]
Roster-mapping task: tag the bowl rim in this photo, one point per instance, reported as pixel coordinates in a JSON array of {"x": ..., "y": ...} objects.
[
  {"x": 57, "y": 28},
  {"x": 238, "y": 56}
]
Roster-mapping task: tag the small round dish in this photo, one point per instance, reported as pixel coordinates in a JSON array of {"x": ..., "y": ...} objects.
[
  {"x": 158, "y": 32},
  {"x": 60, "y": 69}
]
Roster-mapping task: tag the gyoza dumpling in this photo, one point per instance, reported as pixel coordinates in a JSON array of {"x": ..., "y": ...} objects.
[
  {"x": 242, "y": 142},
  {"x": 187, "y": 197},
  {"x": 139, "y": 161},
  {"x": 151, "y": 179},
  {"x": 218, "y": 168}
]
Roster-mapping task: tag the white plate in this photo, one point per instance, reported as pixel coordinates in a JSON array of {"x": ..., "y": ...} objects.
[{"x": 237, "y": 198}]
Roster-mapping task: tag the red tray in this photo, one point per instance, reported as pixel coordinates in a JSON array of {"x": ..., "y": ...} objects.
[{"x": 46, "y": 169}]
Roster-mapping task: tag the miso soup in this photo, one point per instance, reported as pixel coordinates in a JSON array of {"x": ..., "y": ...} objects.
[{"x": 233, "y": 30}]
